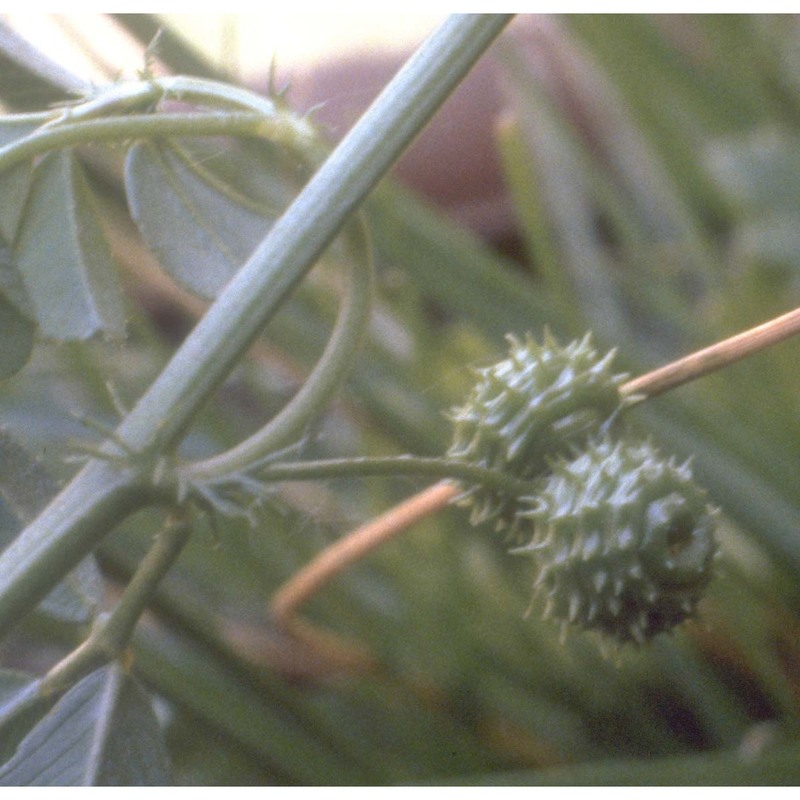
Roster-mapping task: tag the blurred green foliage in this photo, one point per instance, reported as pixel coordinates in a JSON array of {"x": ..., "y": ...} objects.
[{"x": 654, "y": 169}]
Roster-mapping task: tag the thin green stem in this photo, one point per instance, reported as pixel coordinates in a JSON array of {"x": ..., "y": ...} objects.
[
  {"x": 110, "y": 637},
  {"x": 140, "y": 126},
  {"x": 395, "y": 465},
  {"x": 115, "y": 98},
  {"x": 93, "y": 120},
  {"x": 128, "y": 96},
  {"x": 187, "y": 89},
  {"x": 338, "y": 357}
]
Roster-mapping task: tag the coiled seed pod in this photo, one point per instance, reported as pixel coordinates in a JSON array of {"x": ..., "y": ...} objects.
[
  {"x": 541, "y": 401},
  {"x": 624, "y": 541}
]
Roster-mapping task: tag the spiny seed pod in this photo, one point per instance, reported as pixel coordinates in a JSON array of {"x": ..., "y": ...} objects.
[
  {"x": 624, "y": 541},
  {"x": 542, "y": 401}
]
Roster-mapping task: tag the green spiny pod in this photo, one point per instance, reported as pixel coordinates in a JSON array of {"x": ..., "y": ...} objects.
[
  {"x": 624, "y": 541},
  {"x": 543, "y": 400}
]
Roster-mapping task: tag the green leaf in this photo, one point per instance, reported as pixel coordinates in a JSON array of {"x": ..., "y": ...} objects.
[
  {"x": 24, "y": 482},
  {"x": 12, "y": 287},
  {"x": 20, "y": 708},
  {"x": 78, "y": 598},
  {"x": 259, "y": 175},
  {"x": 200, "y": 233},
  {"x": 17, "y": 335},
  {"x": 63, "y": 256},
  {"x": 16, "y": 325},
  {"x": 102, "y": 732},
  {"x": 15, "y": 183}
]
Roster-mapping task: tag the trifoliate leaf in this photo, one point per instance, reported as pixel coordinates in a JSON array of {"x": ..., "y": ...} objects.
[
  {"x": 103, "y": 732},
  {"x": 20, "y": 708},
  {"x": 14, "y": 182},
  {"x": 200, "y": 233},
  {"x": 63, "y": 257}
]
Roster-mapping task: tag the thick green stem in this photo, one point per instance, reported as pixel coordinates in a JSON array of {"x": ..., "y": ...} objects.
[
  {"x": 93, "y": 503},
  {"x": 104, "y": 493}
]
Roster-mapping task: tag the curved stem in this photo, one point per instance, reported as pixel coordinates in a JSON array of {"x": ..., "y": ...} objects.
[
  {"x": 338, "y": 357},
  {"x": 115, "y": 98},
  {"x": 127, "y": 96},
  {"x": 84, "y": 122},
  {"x": 138, "y": 126},
  {"x": 188, "y": 89}
]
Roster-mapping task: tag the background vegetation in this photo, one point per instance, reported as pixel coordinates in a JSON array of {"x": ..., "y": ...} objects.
[{"x": 653, "y": 168}]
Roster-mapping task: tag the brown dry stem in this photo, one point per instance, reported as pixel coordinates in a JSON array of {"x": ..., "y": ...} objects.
[{"x": 715, "y": 357}]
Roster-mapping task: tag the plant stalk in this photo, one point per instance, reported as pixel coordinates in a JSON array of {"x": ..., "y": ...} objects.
[
  {"x": 326, "y": 469},
  {"x": 141, "y": 126},
  {"x": 110, "y": 637},
  {"x": 714, "y": 357},
  {"x": 341, "y": 351}
]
